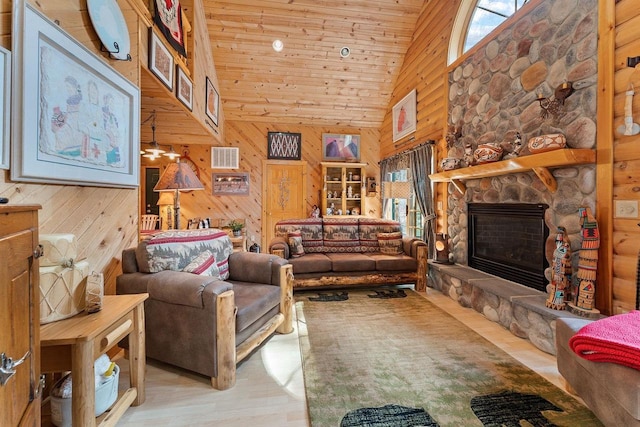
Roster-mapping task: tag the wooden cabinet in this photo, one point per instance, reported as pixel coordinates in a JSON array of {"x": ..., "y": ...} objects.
[
  {"x": 19, "y": 315},
  {"x": 343, "y": 191}
]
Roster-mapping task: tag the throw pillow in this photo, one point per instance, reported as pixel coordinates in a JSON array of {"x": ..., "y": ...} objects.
[
  {"x": 204, "y": 265},
  {"x": 390, "y": 243},
  {"x": 295, "y": 243}
]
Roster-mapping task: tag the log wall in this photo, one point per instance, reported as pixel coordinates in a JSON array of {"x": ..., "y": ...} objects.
[{"x": 626, "y": 158}]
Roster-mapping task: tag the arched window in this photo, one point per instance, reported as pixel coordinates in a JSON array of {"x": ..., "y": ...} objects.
[{"x": 476, "y": 19}]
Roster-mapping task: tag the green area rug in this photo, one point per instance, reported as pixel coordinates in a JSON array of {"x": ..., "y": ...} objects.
[{"x": 370, "y": 355}]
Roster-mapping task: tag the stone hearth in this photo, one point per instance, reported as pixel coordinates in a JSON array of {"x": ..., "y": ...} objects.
[{"x": 518, "y": 308}]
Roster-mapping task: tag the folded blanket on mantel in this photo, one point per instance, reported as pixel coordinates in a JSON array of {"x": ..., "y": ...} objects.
[{"x": 614, "y": 339}]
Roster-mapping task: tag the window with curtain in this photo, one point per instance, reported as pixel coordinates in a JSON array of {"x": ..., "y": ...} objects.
[{"x": 402, "y": 206}]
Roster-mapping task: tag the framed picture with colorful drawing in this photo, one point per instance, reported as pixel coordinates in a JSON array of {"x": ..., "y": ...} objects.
[
  {"x": 404, "y": 116},
  {"x": 340, "y": 147},
  {"x": 76, "y": 120},
  {"x": 184, "y": 88},
  {"x": 160, "y": 60},
  {"x": 284, "y": 145},
  {"x": 213, "y": 102}
]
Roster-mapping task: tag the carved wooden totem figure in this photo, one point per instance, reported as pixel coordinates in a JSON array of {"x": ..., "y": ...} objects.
[
  {"x": 560, "y": 289},
  {"x": 588, "y": 261}
]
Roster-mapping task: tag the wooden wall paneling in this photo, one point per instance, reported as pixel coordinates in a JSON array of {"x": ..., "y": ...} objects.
[
  {"x": 103, "y": 219},
  {"x": 251, "y": 138},
  {"x": 624, "y": 244}
]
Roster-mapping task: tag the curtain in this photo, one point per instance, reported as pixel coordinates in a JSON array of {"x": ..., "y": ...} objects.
[
  {"x": 420, "y": 161},
  {"x": 385, "y": 170}
]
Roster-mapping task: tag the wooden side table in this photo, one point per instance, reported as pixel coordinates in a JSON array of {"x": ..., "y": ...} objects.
[{"x": 75, "y": 343}]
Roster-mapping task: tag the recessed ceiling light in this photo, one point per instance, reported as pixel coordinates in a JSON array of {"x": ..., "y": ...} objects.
[
  {"x": 278, "y": 45},
  {"x": 345, "y": 51}
]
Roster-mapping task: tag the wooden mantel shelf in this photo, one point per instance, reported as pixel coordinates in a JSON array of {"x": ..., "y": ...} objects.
[{"x": 538, "y": 163}]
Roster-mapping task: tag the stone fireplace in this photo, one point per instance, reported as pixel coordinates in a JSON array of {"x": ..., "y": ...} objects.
[{"x": 508, "y": 240}]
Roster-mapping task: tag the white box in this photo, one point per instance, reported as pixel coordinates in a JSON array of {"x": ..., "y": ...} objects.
[{"x": 62, "y": 291}]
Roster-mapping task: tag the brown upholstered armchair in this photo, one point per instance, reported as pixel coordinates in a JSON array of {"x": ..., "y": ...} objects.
[{"x": 208, "y": 325}]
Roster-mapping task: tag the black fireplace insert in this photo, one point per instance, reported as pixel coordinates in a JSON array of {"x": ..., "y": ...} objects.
[{"x": 508, "y": 240}]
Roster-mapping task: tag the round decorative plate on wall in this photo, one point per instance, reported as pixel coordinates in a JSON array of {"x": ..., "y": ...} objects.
[{"x": 109, "y": 23}]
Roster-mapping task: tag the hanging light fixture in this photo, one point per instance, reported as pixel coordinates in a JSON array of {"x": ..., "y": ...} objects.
[
  {"x": 171, "y": 153},
  {"x": 155, "y": 150}
]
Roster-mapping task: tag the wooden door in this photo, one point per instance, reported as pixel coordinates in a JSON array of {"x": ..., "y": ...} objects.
[
  {"x": 284, "y": 194},
  {"x": 19, "y": 318}
]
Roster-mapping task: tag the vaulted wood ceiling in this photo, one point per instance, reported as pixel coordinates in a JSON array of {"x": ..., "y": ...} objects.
[{"x": 309, "y": 82}]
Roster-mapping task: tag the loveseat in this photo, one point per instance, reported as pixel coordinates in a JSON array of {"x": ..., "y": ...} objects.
[
  {"x": 610, "y": 390},
  {"x": 208, "y": 307},
  {"x": 349, "y": 251}
]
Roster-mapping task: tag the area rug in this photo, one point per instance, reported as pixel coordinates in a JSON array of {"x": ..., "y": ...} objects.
[{"x": 392, "y": 358}]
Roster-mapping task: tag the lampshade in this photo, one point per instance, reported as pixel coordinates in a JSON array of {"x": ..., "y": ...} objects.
[
  {"x": 397, "y": 190},
  {"x": 178, "y": 176},
  {"x": 166, "y": 198}
]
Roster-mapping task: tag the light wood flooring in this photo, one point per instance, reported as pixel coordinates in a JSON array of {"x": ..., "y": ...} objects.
[{"x": 269, "y": 390}]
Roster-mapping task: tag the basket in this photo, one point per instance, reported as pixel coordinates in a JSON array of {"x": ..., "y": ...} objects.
[{"x": 106, "y": 395}]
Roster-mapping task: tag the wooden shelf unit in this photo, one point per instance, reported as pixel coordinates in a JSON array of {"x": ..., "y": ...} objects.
[
  {"x": 336, "y": 178},
  {"x": 538, "y": 163}
]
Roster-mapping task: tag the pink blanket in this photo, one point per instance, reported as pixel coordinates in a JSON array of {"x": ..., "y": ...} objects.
[{"x": 614, "y": 339}]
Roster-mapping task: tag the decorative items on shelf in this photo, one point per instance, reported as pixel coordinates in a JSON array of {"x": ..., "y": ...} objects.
[
  {"x": 549, "y": 142},
  {"x": 516, "y": 147},
  {"x": 487, "y": 153},
  {"x": 449, "y": 163},
  {"x": 554, "y": 106}
]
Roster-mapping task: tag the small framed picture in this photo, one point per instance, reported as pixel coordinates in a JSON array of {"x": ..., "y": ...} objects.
[
  {"x": 284, "y": 145},
  {"x": 184, "y": 88},
  {"x": 404, "y": 116},
  {"x": 231, "y": 184},
  {"x": 340, "y": 147},
  {"x": 213, "y": 102},
  {"x": 160, "y": 60}
]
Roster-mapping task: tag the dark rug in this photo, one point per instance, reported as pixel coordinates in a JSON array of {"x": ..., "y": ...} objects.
[{"x": 369, "y": 359}]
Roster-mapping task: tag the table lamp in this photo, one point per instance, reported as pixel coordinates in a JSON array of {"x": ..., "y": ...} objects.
[
  {"x": 166, "y": 214},
  {"x": 178, "y": 177}
]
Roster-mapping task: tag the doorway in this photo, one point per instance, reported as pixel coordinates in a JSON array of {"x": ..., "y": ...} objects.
[{"x": 284, "y": 194}]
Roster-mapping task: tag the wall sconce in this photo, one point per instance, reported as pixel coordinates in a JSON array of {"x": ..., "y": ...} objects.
[
  {"x": 155, "y": 150},
  {"x": 554, "y": 106}
]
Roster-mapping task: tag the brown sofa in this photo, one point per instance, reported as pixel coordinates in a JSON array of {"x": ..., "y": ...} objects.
[
  {"x": 345, "y": 251},
  {"x": 610, "y": 390},
  {"x": 207, "y": 325}
]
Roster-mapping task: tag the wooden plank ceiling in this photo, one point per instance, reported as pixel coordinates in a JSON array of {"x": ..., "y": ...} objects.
[{"x": 309, "y": 82}]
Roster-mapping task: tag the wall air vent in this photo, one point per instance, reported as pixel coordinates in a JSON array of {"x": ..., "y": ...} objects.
[{"x": 225, "y": 157}]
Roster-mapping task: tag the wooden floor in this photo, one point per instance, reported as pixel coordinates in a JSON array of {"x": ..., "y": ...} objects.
[{"x": 269, "y": 391}]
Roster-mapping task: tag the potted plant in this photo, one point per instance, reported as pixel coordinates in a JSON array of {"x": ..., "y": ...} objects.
[{"x": 236, "y": 227}]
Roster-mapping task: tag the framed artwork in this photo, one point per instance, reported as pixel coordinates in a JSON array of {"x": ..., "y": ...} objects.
[
  {"x": 5, "y": 106},
  {"x": 340, "y": 147},
  {"x": 76, "y": 120},
  {"x": 284, "y": 145},
  {"x": 160, "y": 60},
  {"x": 168, "y": 18},
  {"x": 404, "y": 116},
  {"x": 231, "y": 184},
  {"x": 213, "y": 102},
  {"x": 184, "y": 88}
]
